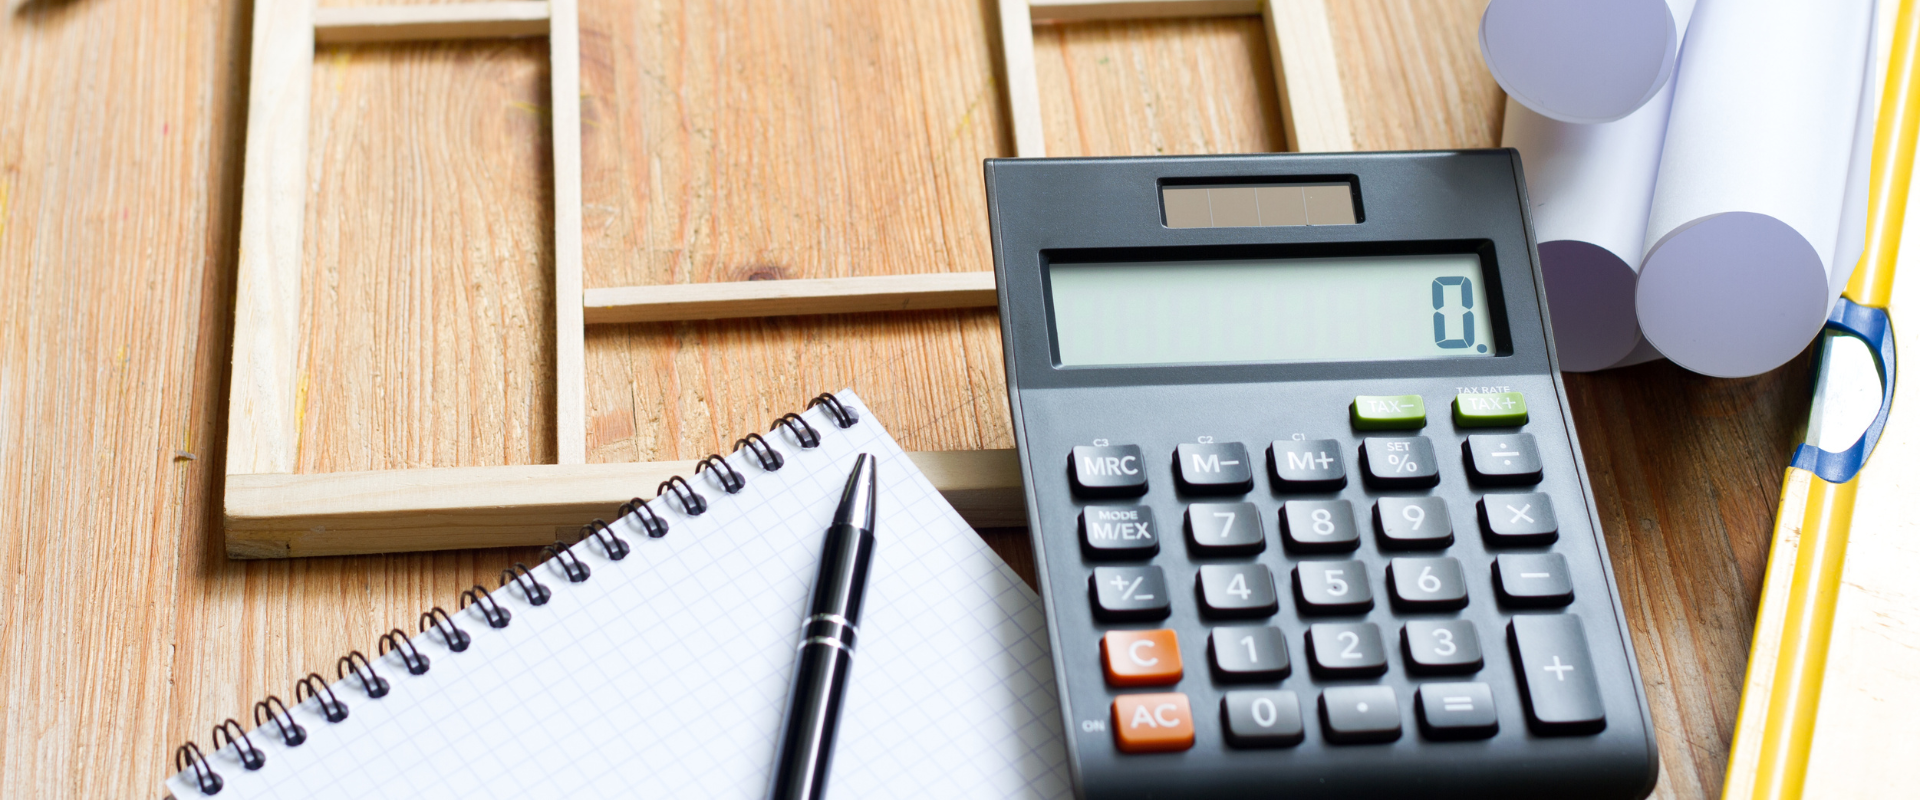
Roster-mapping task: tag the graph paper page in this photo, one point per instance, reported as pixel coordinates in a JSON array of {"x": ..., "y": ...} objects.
[{"x": 665, "y": 674}]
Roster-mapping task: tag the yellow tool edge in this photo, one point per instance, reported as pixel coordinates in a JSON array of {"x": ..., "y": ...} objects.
[{"x": 1775, "y": 766}]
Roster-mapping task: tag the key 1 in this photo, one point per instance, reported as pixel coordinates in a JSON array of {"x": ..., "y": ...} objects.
[
  {"x": 1399, "y": 463},
  {"x": 1427, "y": 584},
  {"x": 1436, "y": 647},
  {"x": 1118, "y": 532},
  {"x": 1225, "y": 529},
  {"x": 1517, "y": 520},
  {"x": 1262, "y": 718},
  {"x": 1249, "y": 653},
  {"x": 1213, "y": 468},
  {"x": 1319, "y": 526},
  {"x": 1456, "y": 711},
  {"x": 1129, "y": 593},
  {"x": 1360, "y": 714},
  {"x": 1332, "y": 587},
  {"x": 1112, "y": 471},
  {"x": 1413, "y": 523},
  {"x": 1345, "y": 649},
  {"x": 1237, "y": 590},
  {"x": 1306, "y": 466},
  {"x": 1532, "y": 580},
  {"x": 1556, "y": 674},
  {"x": 1507, "y": 459}
]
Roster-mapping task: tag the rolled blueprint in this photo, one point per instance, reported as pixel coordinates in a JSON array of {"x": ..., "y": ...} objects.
[
  {"x": 1582, "y": 61},
  {"x": 1590, "y": 187},
  {"x": 1746, "y": 247}
]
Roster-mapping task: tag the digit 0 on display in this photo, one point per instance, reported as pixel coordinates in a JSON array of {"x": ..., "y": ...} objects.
[{"x": 1372, "y": 599}]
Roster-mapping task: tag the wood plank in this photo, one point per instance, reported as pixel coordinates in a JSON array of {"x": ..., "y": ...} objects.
[
  {"x": 1085, "y": 10},
  {"x": 361, "y": 24},
  {"x": 345, "y": 513},
  {"x": 262, "y": 433},
  {"x": 569, "y": 338},
  {"x": 780, "y": 298},
  {"x": 1312, "y": 98},
  {"x": 1023, "y": 84}
]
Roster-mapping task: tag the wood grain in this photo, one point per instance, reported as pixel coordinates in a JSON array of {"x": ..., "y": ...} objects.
[
  {"x": 803, "y": 139},
  {"x": 363, "y": 24},
  {"x": 688, "y": 301}
]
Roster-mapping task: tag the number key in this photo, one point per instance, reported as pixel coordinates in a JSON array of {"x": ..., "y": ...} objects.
[
  {"x": 1319, "y": 526},
  {"x": 1262, "y": 718},
  {"x": 1441, "y": 646},
  {"x": 1237, "y": 590},
  {"x": 1225, "y": 529},
  {"x": 1427, "y": 584},
  {"x": 1332, "y": 587},
  {"x": 1346, "y": 649},
  {"x": 1249, "y": 653},
  {"x": 1129, "y": 593},
  {"x": 1413, "y": 523}
]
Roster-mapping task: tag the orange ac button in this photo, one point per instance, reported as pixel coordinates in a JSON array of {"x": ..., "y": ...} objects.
[
  {"x": 1152, "y": 723},
  {"x": 1141, "y": 658}
]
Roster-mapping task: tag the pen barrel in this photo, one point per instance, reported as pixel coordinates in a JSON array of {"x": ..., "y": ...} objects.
[{"x": 821, "y": 667}]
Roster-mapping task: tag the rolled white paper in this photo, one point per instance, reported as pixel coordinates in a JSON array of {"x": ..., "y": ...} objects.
[
  {"x": 1590, "y": 187},
  {"x": 1582, "y": 61},
  {"x": 1744, "y": 233}
]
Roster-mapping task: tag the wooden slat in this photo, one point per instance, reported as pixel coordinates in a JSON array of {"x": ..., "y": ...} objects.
[
  {"x": 341, "y": 513},
  {"x": 1313, "y": 103},
  {"x": 779, "y": 298},
  {"x": 1083, "y": 10},
  {"x": 569, "y": 340},
  {"x": 262, "y": 433},
  {"x": 1023, "y": 84},
  {"x": 351, "y": 25}
]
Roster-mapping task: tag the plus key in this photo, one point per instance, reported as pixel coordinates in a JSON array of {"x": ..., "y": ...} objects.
[{"x": 1556, "y": 674}]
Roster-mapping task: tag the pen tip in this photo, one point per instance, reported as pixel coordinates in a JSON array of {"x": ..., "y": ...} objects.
[{"x": 859, "y": 503}]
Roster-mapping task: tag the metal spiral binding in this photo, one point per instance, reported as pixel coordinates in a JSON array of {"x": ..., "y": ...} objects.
[
  {"x": 450, "y": 634},
  {"x": 334, "y": 710},
  {"x": 571, "y": 564},
  {"x": 290, "y": 731},
  {"x": 690, "y": 500},
  {"x": 189, "y": 757},
  {"x": 615, "y": 547},
  {"x": 842, "y": 416},
  {"x": 396, "y": 639},
  {"x": 650, "y": 520},
  {"x": 769, "y": 458},
  {"x": 251, "y": 756},
  {"x": 497, "y": 617},
  {"x": 535, "y": 592},
  {"x": 802, "y": 432},
  {"x": 730, "y": 479},
  {"x": 375, "y": 686}
]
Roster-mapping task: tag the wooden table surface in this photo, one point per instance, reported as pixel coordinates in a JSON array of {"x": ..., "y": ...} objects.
[{"x": 725, "y": 140}]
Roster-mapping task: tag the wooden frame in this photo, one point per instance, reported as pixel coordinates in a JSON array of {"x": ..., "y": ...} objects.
[{"x": 272, "y": 512}]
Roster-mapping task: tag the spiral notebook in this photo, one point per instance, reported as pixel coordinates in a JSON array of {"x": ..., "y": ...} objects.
[{"x": 664, "y": 673}]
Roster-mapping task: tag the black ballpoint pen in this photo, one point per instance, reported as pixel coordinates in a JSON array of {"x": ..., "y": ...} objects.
[{"x": 826, "y": 642}]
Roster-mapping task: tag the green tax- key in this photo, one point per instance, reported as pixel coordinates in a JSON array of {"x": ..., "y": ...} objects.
[{"x": 1388, "y": 412}]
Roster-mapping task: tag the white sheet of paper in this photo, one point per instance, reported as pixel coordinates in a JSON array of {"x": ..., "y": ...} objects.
[
  {"x": 1747, "y": 207},
  {"x": 665, "y": 674},
  {"x": 1582, "y": 61}
]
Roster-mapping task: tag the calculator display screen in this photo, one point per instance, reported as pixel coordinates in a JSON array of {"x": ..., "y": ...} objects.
[{"x": 1359, "y": 308}]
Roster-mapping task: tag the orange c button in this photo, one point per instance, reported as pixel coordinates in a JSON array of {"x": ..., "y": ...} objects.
[
  {"x": 1152, "y": 723},
  {"x": 1141, "y": 658}
]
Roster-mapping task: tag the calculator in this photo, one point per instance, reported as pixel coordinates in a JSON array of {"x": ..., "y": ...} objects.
[{"x": 1308, "y": 512}]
